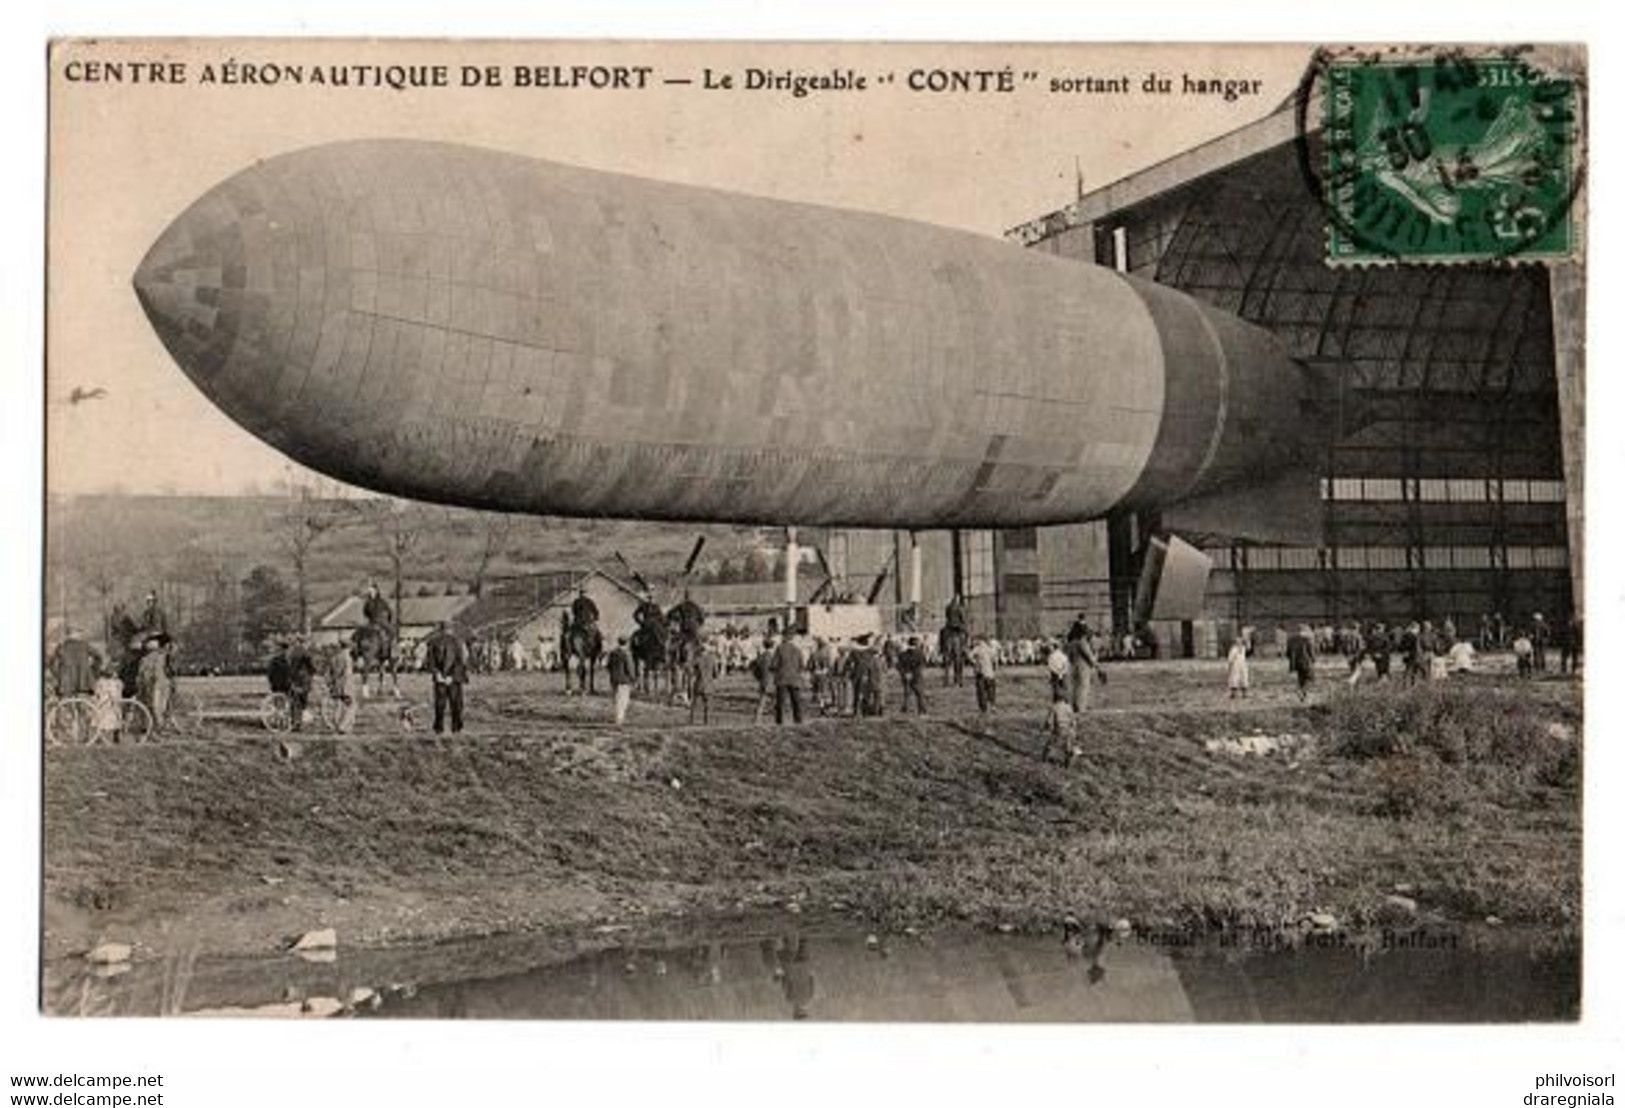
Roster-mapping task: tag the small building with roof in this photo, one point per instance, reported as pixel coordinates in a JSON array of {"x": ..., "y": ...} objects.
[{"x": 418, "y": 617}]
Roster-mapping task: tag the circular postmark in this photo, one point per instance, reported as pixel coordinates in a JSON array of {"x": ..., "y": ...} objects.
[{"x": 1441, "y": 155}]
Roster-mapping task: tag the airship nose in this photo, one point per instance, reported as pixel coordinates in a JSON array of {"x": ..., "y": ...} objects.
[{"x": 191, "y": 286}]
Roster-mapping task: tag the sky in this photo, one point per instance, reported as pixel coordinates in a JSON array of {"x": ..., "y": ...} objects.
[{"x": 126, "y": 158}]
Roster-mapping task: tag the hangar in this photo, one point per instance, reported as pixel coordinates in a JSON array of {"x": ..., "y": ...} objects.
[{"x": 1452, "y": 487}]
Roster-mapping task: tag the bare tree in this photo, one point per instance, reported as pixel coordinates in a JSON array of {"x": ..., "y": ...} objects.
[
  {"x": 306, "y": 515},
  {"x": 400, "y": 527},
  {"x": 496, "y": 527}
]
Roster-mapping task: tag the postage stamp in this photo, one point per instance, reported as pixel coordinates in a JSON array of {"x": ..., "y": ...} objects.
[{"x": 1448, "y": 159}]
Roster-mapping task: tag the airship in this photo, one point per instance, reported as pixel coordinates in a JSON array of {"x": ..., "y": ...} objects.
[{"x": 479, "y": 328}]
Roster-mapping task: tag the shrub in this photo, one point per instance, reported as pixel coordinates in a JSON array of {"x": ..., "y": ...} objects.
[{"x": 1457, "y": 723}]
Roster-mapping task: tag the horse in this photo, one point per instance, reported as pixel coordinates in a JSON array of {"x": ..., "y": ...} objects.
[
  {"x": 375, "y": 652},
  {"x": 951, "y": 644},
  {"x": 583, "y": 645},
  {"x": 649, "y": 644},
  {"x": 683, "y": 648}
]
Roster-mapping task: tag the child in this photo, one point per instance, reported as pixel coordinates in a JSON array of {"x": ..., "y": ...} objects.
[
  {"x": 699, "y": 684},
  {"x": 1524, "y": 650},
  {"x": 107, "y": 717},
  {"x": 1240, "y": 678},
  {"x": 1062, "y": 725}
]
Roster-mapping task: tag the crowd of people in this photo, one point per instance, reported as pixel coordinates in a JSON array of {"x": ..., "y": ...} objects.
[{"x": 794, "y": 675}]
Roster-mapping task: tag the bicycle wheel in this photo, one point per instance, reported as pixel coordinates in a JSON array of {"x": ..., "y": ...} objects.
[
  {"x": 137, "y": 721},
  {"x": 275, "y": 713},
  {"x": 184, "y": 712},
  {"x": 68, "y": 723}
]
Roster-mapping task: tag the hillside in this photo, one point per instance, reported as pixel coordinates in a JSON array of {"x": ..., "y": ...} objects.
[{"x": 116, "y": 547}]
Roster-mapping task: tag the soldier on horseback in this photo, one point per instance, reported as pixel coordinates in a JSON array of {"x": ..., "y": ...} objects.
[
  {"x": 581, "y": 643},
  {"x": 375, "y": 641},
  {"x": 649, "y": 641},
  {"x": 689, "y": 619}
]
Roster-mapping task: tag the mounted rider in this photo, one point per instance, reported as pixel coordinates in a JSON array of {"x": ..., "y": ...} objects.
[
  {"x": 689, "y": 616},
  {"x": 583, "y": 610},
  {"x": 689, "y": 619},
  {"x": 375, "y": 640},
  {"x": 580, "y": 642}
]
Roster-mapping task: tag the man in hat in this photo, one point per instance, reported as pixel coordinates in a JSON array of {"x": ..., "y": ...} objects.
[
  {"x": 789, "y": 677},
  {"x": 447, "y": 659},
  {"x": 301, "y": 678},
  {"x": 583, "y": 609},
  {"x": 761, "y": 668},
  {"x": 1082, "y": 667},
  {"x": 152, "y": 681},
  {"x": 153, "y": 623},
  {"x": 911, "y": 668},
  {"x": 376, "y": 610},
  {"x": 75, "y": 665},
  {"x": 1300, "y": 658},
  {"x": 983, "y": 664}
]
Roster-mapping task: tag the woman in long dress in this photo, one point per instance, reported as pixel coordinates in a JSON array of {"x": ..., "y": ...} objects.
[{"x": 1239, "y": 677}]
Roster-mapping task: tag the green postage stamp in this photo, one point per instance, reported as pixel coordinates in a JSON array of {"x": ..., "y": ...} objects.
[{"x": 1448, "y": 159}]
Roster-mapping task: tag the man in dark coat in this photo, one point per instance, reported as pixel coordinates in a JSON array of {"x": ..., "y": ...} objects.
[
  {"x": 1300, "y": 659},
  {"x": 911, "y": 668},
  {"x": 74, "y": 665},
  {"x": 301, "y": 676},
  {"x": 448, "y": 666},
  {"x": 689, "y": 616},
  {"x": 583, "y": 609},
  {"x": 376, "y": 610},
  {"x": 154, "y": 623},
  {"x": 789, "y": 678},
  {"x": 1379, "y": 645}
]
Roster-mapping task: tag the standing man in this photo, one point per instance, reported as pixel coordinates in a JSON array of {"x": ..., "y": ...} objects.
[
  {"x": 983, "y": 663},
  {"x": 620, "y": 680},
  {"x": 448, "y": 667},
  {"x": 1540, "y": 634},
  {"x": 301, "y": 676},
  {"x": 341, "y": 686},
  {"x": 1378, "y": 646},
  {"x": 699, "y": 684},
  {"x": 1573, "y": 645},
  {"x": 911, "y": 668},
  {"x": 75, "y": 665},
  {"x": 1300, "y": 658},
  {"x": 761, "y": 668},
  {"x": 152, "y": 682},
  {"x": 955, "y": 633},
  {"x": 789, "y": 678},
  {"x": 1080, "y": 656}
]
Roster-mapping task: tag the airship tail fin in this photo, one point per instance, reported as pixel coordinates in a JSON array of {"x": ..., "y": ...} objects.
[{"x": 1284, "y": 509}]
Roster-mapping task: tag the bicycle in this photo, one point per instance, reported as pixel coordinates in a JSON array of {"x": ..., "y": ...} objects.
[{"x": 71, "y": 721}]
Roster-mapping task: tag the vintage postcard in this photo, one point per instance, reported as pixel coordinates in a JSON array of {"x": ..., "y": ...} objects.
[{"x": 814, "y": 531}]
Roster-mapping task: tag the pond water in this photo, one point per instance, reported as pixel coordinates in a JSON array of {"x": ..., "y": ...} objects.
[{"x": 1412, "y": 975}]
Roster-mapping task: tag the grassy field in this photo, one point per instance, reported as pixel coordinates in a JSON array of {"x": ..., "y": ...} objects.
[{"x": 543, "y": 816}]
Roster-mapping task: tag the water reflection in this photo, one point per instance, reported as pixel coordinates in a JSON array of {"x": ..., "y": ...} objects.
[{"x": 1090, "y": 975}]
